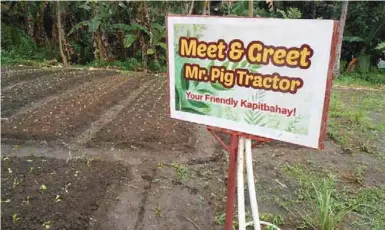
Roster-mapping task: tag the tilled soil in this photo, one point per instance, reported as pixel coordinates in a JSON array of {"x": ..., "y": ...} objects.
[
  {"x": 27, "y": 92},
  {"x": 10, "y": 76},
  {"x": 146, "y": 124},
  {"x": 42, "y": 193},
  {"x": 69, "y": 116}
]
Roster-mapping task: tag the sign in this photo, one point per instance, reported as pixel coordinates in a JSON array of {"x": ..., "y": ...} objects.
[{"x": 265, "y": 77}]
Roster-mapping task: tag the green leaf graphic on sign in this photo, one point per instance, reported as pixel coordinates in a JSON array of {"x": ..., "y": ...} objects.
[
  {"x": 235, "y": 65},
  {"x": 244, "y": 63},
  {"x": 255, "y": 67},
  {"x": 198, "y": 104},
  {"x": 177, "y": 105},
  {"x": 184, "y": 83},
  {"x": 196, "y": 83},
  {"x": 204, "y": 91},
  {"x": 226, "y": 64},
  {"x": 254, "y": 118},
  {"x": 191, "y": 110},
  {"x": 218, "y": 86}
]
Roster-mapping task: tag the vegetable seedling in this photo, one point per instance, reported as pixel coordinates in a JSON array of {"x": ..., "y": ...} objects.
[
  {"x": 15, "y": 218},
  {"x": 43, "y": 187}
]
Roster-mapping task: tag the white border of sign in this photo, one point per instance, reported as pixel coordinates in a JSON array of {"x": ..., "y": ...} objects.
[{"x": 315, "y": 139}]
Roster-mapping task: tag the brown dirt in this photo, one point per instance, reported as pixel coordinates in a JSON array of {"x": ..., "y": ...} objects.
[
  {"x": 149, "y": 117},
  {"x": 81, "y": 188},
  {"x": 27, "y": 92},
  {"x": 68, "y": 116},
  {"x": 12, "y": 76}
]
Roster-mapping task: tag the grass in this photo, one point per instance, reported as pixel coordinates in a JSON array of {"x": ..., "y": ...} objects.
[
  {"x": 321, "y": 204},
  {"x": 275, "y": 219},
  {"x": 372, "y": 79},
  {"x": 181, "y": 171},
  {"x": 356, "y": 121}
]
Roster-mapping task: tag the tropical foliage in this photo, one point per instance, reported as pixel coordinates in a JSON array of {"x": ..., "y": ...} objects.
[{"x": 131, "y": 34}]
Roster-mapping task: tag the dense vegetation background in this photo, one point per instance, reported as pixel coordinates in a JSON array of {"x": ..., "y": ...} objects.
[{"x": 131, "y": 35}]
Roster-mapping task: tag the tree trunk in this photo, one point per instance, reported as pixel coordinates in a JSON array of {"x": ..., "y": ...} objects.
[
  {"x": 344, "y": 12},
  {"x": 145, "y": 21},
  {"x": 205, "y": 4},
  {"x": 191, "y": 7},
  {"x": 251, "y": 8},
  {"x": 29, "y": 20},
  {"x": 61, "y": 37},
  {"x": 102, "y": 52}
]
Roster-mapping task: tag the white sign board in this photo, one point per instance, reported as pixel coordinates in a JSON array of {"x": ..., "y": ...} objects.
[{"x": 266, "y": 77}]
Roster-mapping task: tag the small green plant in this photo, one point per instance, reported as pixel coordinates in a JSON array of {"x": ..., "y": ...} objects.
[
  {"x": 43, "y": 187},
  {"x": 16, "y": 182},
  {"x": 327, "y": 211},
  {"x": 15, "y": 218},
  {"x": 46, "y": 224},
  {"x": 5, "y": 201},
  {"x": 360, "y": 174},
  {"x": 220, "y": 218},
  {"x": 181, "y": 170},
  {"x": 275, "y": 219},
  {"x": 58, "y": 198},
  {"x": 26, "y": 201},
  {"x": 157, "y": 210}
]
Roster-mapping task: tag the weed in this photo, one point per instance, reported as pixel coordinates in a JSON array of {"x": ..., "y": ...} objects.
[
  {"x": 180, "y": 170},
  {"x": 325, "y": 207},
  {"x": 355, "y": 121},
  {"x": 160, "y": 165},
  {"x": 275, "y": 219},
  {"x": 368, "y": 204},
  {"x": 156, "y": 180},
  {"x": 360, "y": 174},
  {"x": 157, "y": 210},
  {"x": 327, "y": 213},
  {"x": 219, "y": 219}
]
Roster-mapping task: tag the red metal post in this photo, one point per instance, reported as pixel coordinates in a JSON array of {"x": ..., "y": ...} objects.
[{"x": 231, "y": 182}]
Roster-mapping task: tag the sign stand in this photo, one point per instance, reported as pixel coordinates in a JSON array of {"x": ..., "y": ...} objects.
[
  {"x": 239, "y": 142},
  {"x": 308, "y": 90}
]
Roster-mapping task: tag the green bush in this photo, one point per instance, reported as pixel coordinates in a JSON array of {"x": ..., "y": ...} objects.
[{"x": 14, "y": 39}]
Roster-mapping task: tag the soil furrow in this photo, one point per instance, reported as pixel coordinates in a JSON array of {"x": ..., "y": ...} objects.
[
  {"x": 31, "y": 91},
  {"x": 45, "y": 100},
  {"x": 14, "y": 69},
  {"x": 149, "y": 117},
  {"x": 68, "y": 116},
  {"x": 110, "y": 115},
  {"x": 10, "y": 78}
]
